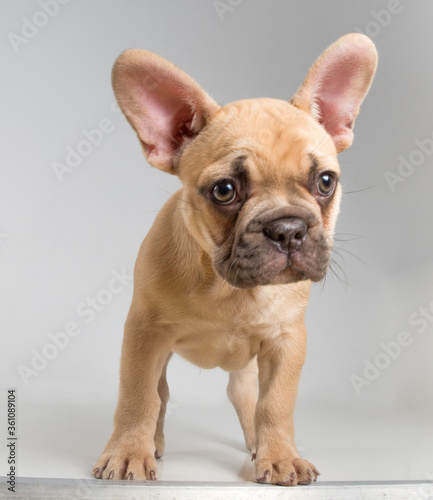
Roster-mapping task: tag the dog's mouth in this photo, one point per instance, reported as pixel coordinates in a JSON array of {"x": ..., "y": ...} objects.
[{"x": 284, "y": 251}]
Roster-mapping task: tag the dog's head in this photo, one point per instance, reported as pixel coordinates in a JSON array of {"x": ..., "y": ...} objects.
[{"x": 261, "y": 177}]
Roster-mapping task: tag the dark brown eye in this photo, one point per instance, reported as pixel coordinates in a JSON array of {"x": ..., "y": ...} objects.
[
  {"x": 224, "y": 192},
  {"x": 326, "y": 184}
]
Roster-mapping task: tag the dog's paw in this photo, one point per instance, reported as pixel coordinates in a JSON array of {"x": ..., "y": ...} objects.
[
  {"x": 286, "y": 471},
  {"x": 119, "y": 463}
]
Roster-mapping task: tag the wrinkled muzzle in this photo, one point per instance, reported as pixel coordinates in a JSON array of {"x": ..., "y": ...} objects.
[{"x": 277, "y": 246}]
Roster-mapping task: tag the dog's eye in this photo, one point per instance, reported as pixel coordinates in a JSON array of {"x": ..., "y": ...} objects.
[
  {"x": 224, "y": 192},
  {"x": 326, "y": 184}
]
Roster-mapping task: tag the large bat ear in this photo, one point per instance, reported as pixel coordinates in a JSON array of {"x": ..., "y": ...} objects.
[
  {"x": 336, "y": 85},
  {"x": 163, "y": 104}
]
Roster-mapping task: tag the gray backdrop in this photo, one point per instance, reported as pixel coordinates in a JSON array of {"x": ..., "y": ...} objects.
[{"x": 71, "y": 222}]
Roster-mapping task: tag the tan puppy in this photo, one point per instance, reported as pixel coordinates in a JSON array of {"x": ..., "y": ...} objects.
[{"x": 224, "y": 275}]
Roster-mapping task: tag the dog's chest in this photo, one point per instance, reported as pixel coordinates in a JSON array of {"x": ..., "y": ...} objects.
[
  {"x": 229, "y": 334},
  {"x": 228, "y": 344}
]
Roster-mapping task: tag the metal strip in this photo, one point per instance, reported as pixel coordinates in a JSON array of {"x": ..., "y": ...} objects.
[{"x": 94, "y": 489}]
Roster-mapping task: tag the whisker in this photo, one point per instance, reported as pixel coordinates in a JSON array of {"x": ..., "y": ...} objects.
[
  {"x": 172, "y": 194},
  {"x": 161, "y": 189},
  {"x": 329, "y": 155},
  {"x": 344, "y": 280},
  {"x": 336, "y": 250},
  {"x": 346, "y": 237},
  {"x": 236, "y": 276},
  {"x": 320, "y": 142},
  {"x": 323, "y": 283},
  {"x": 231, "y": 265},
  {"x": 360, "y": 190}
]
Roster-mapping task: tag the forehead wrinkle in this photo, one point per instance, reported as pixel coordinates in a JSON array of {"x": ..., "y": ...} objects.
[
  {"x": 276, "y": 140},
  {"x": 314, "y": 163},
  {"x": 233, "y": 166},
  {"x": 283, "y": 161},
  {"x": 237, "y": 166}
]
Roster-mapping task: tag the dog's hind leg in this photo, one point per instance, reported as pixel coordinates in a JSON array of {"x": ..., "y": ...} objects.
[
  {"x": 242, "y": 391},
  {"x": 164, "y": 394}
]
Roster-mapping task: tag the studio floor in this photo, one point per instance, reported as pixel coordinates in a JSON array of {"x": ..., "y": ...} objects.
[{"x": 59, "y": 440}]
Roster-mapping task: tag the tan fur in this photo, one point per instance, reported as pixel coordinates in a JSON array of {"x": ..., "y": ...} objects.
[{"x": 188, "y": 300}]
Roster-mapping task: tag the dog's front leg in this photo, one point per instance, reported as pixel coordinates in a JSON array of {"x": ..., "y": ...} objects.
[
  {"x": 280, "y": 363},
  {"x": 130, "y": 452},
  {"x": 164, "y": 395},
  {"x": 242, "y": 392}
]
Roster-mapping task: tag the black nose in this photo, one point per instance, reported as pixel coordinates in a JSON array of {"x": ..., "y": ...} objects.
[{"x": 287, "y": 234}]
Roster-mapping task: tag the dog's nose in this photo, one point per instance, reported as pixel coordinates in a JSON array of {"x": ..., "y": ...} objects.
[{"x": 287, "y": 234}]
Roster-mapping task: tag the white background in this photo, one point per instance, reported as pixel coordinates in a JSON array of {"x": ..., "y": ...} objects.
[{"x": 61, "y": 239}]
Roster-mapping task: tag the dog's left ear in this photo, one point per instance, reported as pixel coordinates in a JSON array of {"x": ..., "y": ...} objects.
[{"x": 336, "y": 85}]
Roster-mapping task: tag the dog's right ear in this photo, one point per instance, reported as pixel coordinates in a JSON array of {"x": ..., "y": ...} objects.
[{"x": 165, "y": 106}]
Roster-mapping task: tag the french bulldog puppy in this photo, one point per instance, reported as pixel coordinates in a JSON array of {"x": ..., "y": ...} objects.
[{"x": 224, "y": 275}]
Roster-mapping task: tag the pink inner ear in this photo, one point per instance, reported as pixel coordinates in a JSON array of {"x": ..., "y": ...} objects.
[
  {"x": 163, "y": 104},
  {"x": 337, "y": 116},
  {"x": 338, "y": 92},
  {"x": 167, "y": 122}
]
